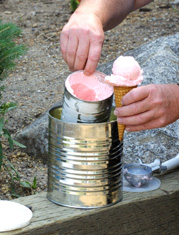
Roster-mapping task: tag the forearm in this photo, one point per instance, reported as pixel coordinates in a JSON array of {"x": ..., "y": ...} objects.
[
  {"x": 175, "y": 92},
  {"x": 140, "y": 3},
  {"x": 110, "y": 12}
]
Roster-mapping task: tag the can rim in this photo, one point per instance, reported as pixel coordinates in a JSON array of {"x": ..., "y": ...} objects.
[{"x": 76, "y": 123}]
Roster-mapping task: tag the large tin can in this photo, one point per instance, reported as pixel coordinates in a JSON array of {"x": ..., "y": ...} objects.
[{"x": 85, "y": 163}]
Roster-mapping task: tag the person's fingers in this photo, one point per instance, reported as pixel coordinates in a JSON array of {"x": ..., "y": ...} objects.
[
  {"x": 140, "y": 100},
  {"x": 82, "y": 53},
  {"x": 95, "y": 49},
  {"x": 158, "y": 109},
  {"x": 133, "y": 109},
  {"x": 156, "y": 123},
  {"x": 136, "y": 95},
  {"x": 139, "y": 119},
  {"x": 71, "y": 50},
  {"x": 63, "y": 44},
  {"x": 81, "y": 42}
]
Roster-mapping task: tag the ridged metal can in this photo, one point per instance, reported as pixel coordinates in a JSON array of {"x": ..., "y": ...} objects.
[{"x": 85, "y": 163}]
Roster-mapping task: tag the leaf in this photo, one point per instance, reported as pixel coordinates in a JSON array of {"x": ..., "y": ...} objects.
[
  {"x": 15, "y": 195},
  {"x": 6, "y": 107},
  {"x": 25, "y": 184},
  {"x": 34, "y": 185},
  {"x": 0, "y": 163},
  {"x": 1, "y": 155},
  {"x": 1, "y": 124},
  {"x": 16, "y": 178},
  {"x": 18, "y": 144},
  {"x": 11, "y": 106},
  {"x": 15, "y": 171},
  {"x": 10, "y": 140},
  {"x": 6, "y": 133}
]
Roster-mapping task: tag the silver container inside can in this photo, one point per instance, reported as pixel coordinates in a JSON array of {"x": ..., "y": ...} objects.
[
  {"x": 78, "y": 110},
  {"x": 85, "y": 163}
]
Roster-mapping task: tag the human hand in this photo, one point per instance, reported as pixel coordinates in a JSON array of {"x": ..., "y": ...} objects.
[
  {"x": 81, "y": 42},
  {"x": 149, "y": 107}
]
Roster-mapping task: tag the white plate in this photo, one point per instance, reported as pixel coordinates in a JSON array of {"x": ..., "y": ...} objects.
[
  {"x": 152, "y": 185},
  {"x": 13, "y": 215}
]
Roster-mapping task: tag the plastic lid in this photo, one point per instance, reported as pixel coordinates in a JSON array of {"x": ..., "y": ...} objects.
[
  {"x": 13, "y": 215},
  {"x": 152, "y": 185}
]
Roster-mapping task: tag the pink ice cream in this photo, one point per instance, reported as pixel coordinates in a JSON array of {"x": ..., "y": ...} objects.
[
  {"x": 126, "y": 72},
  {"x": 88, "y": 88}
]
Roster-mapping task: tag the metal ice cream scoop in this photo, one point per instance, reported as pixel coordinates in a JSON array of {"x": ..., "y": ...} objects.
[{"x": 139, "y": 174}]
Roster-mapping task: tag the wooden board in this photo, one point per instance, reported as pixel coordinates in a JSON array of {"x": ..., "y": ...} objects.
[{"x": 154, "y": 212}]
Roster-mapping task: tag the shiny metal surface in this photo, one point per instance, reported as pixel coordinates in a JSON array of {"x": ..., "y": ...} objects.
[
  {"x": 85, "y": 163},
  {"x": 137, "y": 175},
  {"x": 76, "y": 110}
]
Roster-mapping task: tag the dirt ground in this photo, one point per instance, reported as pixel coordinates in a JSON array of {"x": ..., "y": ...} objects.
[{"x": 38, "y": 80}]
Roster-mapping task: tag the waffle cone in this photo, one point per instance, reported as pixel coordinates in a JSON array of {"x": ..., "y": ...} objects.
[{"x": 119, "y": 92}]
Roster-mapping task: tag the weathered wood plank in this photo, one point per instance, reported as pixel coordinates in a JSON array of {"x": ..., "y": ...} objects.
[{"x": 155, "y": 212}]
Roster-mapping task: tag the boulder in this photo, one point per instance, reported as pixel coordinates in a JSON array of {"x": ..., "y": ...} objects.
[
  {"x": 159, "y": 60},
  {"x": 35, "y": 137}
]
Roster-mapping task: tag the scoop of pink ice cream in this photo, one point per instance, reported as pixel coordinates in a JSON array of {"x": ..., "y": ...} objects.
[
  {"x": 88, "y": 88},
  {"x": 83, "y": 92},
  {"x": 126, "y": 72}
]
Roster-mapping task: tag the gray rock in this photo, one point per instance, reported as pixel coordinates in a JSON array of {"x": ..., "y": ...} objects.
[
  {"x": 159, "y": 60},
  {"x": 35, "y": 137},
  {"x": 176, "y": 2}
]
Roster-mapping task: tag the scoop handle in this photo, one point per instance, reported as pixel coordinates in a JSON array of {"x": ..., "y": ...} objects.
[
  {"x": 154, "y": 164},
  {"x": 172, "y": 163}
]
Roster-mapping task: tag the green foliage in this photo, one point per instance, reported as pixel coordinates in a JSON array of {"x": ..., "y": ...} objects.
[
  {"x": 16, "y": 178},
  {"x": 176, "y": 10},
  {"x": 5, "y": 136},
  {"x": 74, "y": 4},
  {"x": 10, "y": 50},
  {"x": 26, "y": 184}
]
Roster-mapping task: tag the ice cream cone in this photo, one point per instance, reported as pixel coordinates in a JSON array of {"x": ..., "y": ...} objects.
[
  {"x": 119, "y": 92},
  {"x": 126, "y": 75}
]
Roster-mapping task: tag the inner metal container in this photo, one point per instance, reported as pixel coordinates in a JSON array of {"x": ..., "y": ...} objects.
[
  {"x": 77, "y": 110},
  {"x": 84, "y": 164}
]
